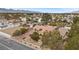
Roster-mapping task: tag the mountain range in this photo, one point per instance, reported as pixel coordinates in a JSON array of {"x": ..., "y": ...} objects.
[{"x": 4, "y": 10}]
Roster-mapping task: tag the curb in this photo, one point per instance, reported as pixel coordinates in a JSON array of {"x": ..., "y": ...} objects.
[
  {"x": 12, "y": 38},
  {"x": 5, "y": 34}
]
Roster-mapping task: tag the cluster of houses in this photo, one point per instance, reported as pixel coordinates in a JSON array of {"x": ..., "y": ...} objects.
[
  {"x": 68, "y": 18},
  {"x": 5, "y": 24},
  {"x": 34, "y": 19}
]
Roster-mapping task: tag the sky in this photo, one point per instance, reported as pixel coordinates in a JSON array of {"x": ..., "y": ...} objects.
[{"x": 50, "y": 10}]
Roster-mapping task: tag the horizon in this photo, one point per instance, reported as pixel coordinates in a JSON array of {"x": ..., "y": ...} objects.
[{"x": 49, "y": 10}]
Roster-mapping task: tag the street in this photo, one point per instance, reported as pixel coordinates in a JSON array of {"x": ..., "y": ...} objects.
[{"x": 8, "y": 44}]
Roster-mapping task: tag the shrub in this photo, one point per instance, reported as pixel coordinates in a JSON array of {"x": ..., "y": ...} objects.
[
  {"x": 52, "y": 40},
  {"x": 23, "y": 30},
  {"x": 35, "y": 36},
  {"x": 57, "y": 24},
  {"x": 17, "y": 33},
  {"x": 52, "y": 24},
  {"x": 20, "y": 32}
]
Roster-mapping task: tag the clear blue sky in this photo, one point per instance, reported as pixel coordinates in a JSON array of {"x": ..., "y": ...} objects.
[{"x": 50, "y": 10}]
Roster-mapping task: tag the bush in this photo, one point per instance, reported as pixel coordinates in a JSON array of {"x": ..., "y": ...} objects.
[
  {"x": 73, "y": 36},
  {"x": 57, "y": 24},
  {"x": 17, "y": 33},
  {"x": 35, "y": 36},
  {"x": 52, "y": 40},
  {"x": 20, "y": 32},
  {"x": 23, "y": 30},
  {"x": 52, "y": 24}
]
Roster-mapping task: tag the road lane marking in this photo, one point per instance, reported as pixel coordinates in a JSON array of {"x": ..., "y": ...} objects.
[{"x": 6, "y": 46}]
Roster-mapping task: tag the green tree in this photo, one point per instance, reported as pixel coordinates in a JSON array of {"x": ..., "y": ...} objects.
[
  {"x": 20, "y": 31},
  {"x": 52, "y": 40},
  {"x": 23, "y": 30},
  {"x": 45, "y": 18},
  {"x": 35, "y": 36},
  {"x": 73, "y": 36},
  {"x": 16, "y": 33}
]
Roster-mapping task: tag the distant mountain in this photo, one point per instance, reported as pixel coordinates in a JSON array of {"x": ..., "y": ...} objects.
[
  {"x": 75, "y": 12},
  {"x": 3, "y": 10}
]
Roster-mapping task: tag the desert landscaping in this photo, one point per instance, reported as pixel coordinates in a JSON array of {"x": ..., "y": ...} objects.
[{"x": 39, "y": 31}]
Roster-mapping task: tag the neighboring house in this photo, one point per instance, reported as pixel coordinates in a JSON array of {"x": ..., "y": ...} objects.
[
  {"x": 23, "y": 19},
  {"x": 68, "y": 19},
  {"x": 39, "y": 20}
]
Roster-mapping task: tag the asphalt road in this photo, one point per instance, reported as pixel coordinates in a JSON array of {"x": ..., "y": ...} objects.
[{"x": 8, "y": 44}]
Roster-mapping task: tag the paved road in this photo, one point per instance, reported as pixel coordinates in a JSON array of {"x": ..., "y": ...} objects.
[{"x": 8, "y": 44}]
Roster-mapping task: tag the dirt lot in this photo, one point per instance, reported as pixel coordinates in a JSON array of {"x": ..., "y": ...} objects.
[{"x": 10, "y": 30}]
